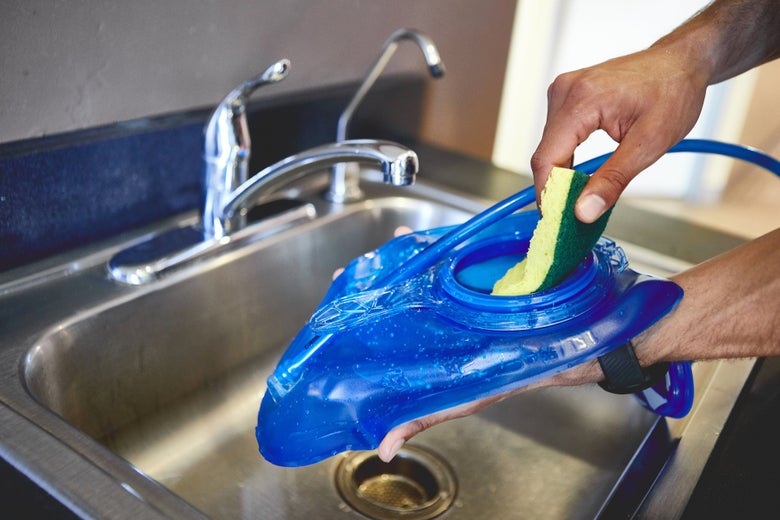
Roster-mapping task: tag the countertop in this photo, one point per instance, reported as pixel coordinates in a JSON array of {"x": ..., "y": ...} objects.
[{"x": 740, "y": 479}]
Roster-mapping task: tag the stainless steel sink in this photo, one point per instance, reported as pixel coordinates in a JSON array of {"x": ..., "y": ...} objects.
[{"x": 132, "y": 402}]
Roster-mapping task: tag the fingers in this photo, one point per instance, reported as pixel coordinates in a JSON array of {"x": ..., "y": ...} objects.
[
  {"x": 588, "y": 372},
  {"x": 639, "y": 148},
  {"x": 607, "y": 184},
  {"x": 646, "y": 102},
  {"x": 402, "y": 230},
  {"x": 576, "y": 109},
  {"x": 395, "y": 438},
  {"x": 570, "y": 120}
]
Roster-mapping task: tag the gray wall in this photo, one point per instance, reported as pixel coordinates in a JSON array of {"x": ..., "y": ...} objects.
[{"x": 67, "y": 65}]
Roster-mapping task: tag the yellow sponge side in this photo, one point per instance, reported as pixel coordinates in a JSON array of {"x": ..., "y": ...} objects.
[{"x": 527, "y": 276}]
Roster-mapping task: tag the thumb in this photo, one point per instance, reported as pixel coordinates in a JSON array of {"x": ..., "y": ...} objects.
[
  {"x": 608, "y": 182},
  {"x": 600, "y": 193}
]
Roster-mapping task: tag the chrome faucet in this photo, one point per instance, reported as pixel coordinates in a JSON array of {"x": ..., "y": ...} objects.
[
  {"x": 344, "y": 183},
  {"x": 229, "y": 192},
  {"x": 228, "y": 149},
  {"x": 399, "y": 166}
]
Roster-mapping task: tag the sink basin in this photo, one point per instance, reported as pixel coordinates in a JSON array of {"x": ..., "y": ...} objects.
[{"x": 142, "y": 401}]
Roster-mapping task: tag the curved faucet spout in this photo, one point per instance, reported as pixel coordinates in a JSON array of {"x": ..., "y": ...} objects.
[
  {"x": 344, "y": 185},
  {"x": 399, "y": 166},
  {"x": 432, "y": 58}
]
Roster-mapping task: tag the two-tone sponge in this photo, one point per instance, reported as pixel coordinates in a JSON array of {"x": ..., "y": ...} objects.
[{"x": 560, "y": 241}]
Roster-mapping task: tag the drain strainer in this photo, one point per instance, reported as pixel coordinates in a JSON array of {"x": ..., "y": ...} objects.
[{"x": 416, "y": 484}]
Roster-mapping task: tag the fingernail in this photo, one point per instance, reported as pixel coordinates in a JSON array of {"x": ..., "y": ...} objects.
[
  {"x": 590, "y": 207},
  {"x": 394, "y": 449}
]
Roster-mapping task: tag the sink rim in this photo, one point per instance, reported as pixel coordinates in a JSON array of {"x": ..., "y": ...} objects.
[
  {"x": 24, "y": 418},
  {"x": 54, "y": 434}
]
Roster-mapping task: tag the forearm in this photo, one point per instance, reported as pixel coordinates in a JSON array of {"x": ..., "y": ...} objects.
[
  {"x": 731, "y": 309},
  {"x": 727, "y": 38}
]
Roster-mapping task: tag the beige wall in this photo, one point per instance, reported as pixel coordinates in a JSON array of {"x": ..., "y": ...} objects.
[
  {"x": 750, "y": 184},
  {"x": 78, "y": 64}
]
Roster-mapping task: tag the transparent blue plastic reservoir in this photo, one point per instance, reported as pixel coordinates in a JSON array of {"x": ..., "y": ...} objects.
[
  {"x": 377, "y": 354},
  {"x": 411, "y": 329}
]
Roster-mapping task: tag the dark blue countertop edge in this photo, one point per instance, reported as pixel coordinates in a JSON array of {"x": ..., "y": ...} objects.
[{"x": 63, "y": 191}]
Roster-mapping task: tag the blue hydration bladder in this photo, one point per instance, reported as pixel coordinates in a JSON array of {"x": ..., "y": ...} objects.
[{"x": 411, "y": 329}]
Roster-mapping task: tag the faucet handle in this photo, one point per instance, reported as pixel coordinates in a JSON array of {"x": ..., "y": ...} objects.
[
  {"x": 276, "y": 72},
  {"x": 222, "y": 130},
  {"x": 227, "y": 146}
]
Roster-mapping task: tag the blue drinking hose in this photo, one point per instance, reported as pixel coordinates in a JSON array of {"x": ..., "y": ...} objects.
[
  {"x": 736, "y": 151},
  {"x": 433, "y": 253}
]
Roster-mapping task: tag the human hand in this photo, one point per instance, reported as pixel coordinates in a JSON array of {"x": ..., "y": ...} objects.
[
  {"x": 588, "y": 372},
  {"x": 647, "y": 102}
]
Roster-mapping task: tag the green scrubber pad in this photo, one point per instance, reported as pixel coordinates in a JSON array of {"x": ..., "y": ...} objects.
[{"x": 560, "y": 241}]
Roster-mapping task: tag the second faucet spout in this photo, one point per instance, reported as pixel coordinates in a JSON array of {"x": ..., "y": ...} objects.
[{"x": 344, "y": 183}]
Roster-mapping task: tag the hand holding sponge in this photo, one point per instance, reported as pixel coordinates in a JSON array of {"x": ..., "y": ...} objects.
[{"x": 560, "y": 241}]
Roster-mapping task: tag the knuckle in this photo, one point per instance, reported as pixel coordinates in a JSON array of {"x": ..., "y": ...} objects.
[
  {"x": 576, "y": 87},
  {"x": 538, "y": 161},
  {"x": 414, "y": 427},
  {"x": 616, "y": 179},
  {"x": 561, "y": 84}
]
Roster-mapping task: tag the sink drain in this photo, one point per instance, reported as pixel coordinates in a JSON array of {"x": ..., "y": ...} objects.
[{"x": 416, "y": 484}]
